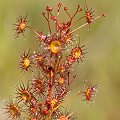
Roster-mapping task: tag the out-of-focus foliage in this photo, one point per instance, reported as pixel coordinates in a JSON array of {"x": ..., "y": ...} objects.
[{"x": 102, "y": 65}]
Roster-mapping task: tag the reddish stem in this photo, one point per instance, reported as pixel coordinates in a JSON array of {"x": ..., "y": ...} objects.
[
  {"x": 48, "y": 22},
  {"x": 34, "y": 31},
  {"x": 86, "y": 23},
  {"x": 67, "y": 87},
  {"x": 62, "y": 104}
]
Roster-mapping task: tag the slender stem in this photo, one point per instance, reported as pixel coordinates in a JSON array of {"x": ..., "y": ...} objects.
[
  {"x": 72, "y": 25},
  {"x": 50, "y": 114},
  {"x": 86, "y": 23},
  {"x": 68, "y": 77},
  {"x": 26, "y": 113},
  {"x": 76, "y": 12},
  {"x": 62, "y": 104},
  {"x": 67, "y": 101},
  {"x": 78, "y": 28},
  {"x": 33, "y": 31},
  {"x": 49, "y": 23},
  {"x": 57, "y": 18},
  {"x": 75, "y": 22},
  {"x": 68, "y": 14},
  {"x": 50, "y": 94},
  {"x": 55, "y": 69},
  {"x": 66, "y": 88}
]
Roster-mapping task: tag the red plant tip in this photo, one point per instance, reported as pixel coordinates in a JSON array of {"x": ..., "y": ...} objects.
[
  {"x": 78, "y": 6},
  {"x": 69, "y": 23},
  {"x": 68, "y": 72},
  {"x": 49, "y": 8},
  {"x": 53, "y": 18},
  {"x": 103, "y": 15},
  {"x": 50, "y": 84},
  {"x": 65, "y": 8},
  {"x": 90, "y": 21},
  {"x": 74, "y": 76},
  {"x": 40, "y": 104},
  {"x": 81, "y": 9},
  {"x": 45, "y": 112},
  {"x": 63, "y": 23},
  {"x": 43, "y": 13},
  {"x": 59, "y": 5}
]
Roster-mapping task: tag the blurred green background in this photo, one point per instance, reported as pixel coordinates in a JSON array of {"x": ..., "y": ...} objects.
[{"x": 102, "y": 40}]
